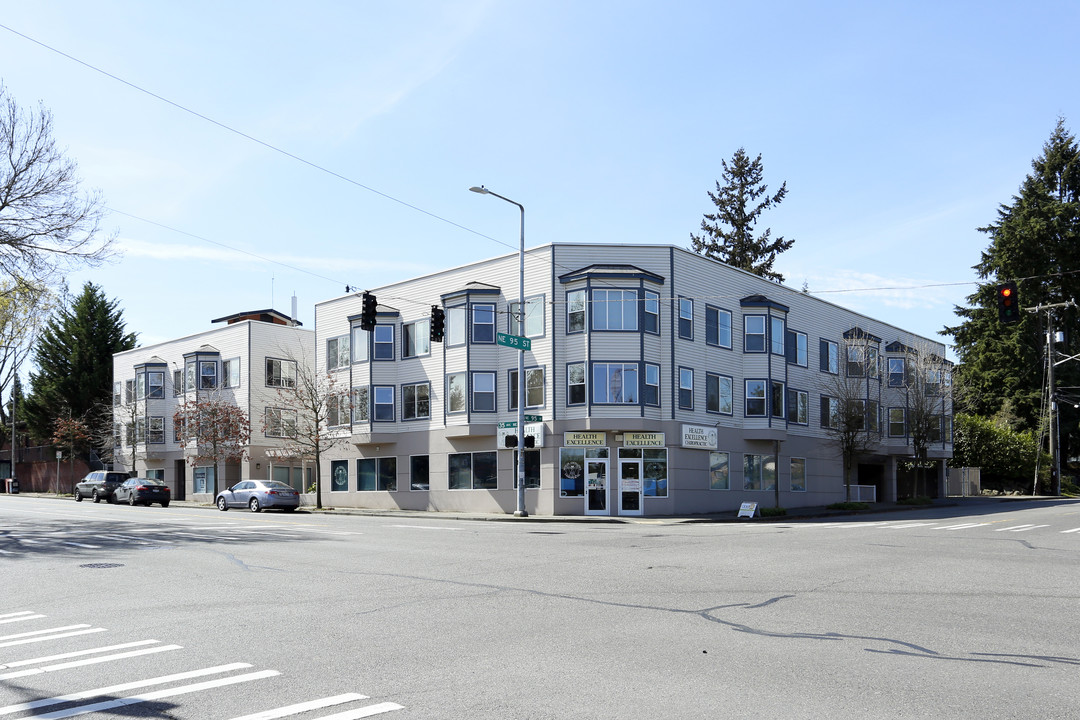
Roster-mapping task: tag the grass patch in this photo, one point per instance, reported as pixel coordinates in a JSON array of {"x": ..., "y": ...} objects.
[
  {"x": 772, "y": 512},
  {"x": 849, "y": 506}
]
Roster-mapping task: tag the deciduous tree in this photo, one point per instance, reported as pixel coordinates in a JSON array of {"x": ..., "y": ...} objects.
[{"x": 214, "y": 431}]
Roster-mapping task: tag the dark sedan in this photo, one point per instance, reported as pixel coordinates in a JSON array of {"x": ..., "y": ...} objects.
[
  {"x": 258, "y": 494},
  {"x": 143, "y": 491},
  {"x": 99, "y": 485}
]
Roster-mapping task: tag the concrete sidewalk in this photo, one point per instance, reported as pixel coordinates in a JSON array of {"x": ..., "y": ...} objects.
[{"x": 983, "y": 503}]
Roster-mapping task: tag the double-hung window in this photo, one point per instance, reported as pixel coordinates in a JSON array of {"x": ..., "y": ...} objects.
[
  {"x": 756, "y": 400},
  {"x": 534, "y": 388},
  {"x": 615, "y": 383},
  {"x": 483, "y": 323},
  {"x": 337, "y": 353},
  {"x": 717, "y": 327},
  {"x": 383, "y": 402},
  {"x": 897, "y": 376},
  {"x": 754, "y": 333},
  {"x": 651, "y": 317},
  {"x": 156, "y": 431},
  {"x": 155, "y": 384},
  {"x": 416, "y": 401},
  {"x": 483, "y": 392},
  {"x": 614, "y": 309},
  {"x": 230, "y": 373},
  {"x": 575, "y": 311},
  {"x": 718, "y": 394},
  {"x": 686, "y": 388},
  {"x": 686, "y": 318},
  {"x": 575, "y": 384},
  {"x": 830, "y": 412},
  {"x": 897, "y": 422},
  {"x": 384, "y": 342},
  {"x": 416, "y": 338},
  {"x": 337, "y": 410},
  {"x": 207, "y": 374}
]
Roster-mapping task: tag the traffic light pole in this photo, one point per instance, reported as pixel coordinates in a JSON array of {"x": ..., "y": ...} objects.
[{"x": 1055, "y": 459}]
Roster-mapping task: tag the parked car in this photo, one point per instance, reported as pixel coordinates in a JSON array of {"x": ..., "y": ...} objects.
[
  {"x": 258, "y": 494},
  {"x": 143, "y": 491},
  {"x": 100, "y": 485}
]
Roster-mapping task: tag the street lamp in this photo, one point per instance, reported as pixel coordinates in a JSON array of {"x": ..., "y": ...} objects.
[
  {"x": 14, "y": 351},
  {"x": 520, "y": 512}
]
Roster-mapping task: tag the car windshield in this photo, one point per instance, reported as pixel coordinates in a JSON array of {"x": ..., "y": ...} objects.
[{"x": 277, "y": 485}]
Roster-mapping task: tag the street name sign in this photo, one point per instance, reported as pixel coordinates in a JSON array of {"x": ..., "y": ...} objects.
[{"x": 513, "y": 341}]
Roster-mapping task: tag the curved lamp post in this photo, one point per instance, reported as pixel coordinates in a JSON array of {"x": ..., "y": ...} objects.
[{"x": 520, "y": 512}]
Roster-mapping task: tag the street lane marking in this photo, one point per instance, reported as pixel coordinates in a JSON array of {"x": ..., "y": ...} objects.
[
  {"x": 20, "y": 616},
  {"x": 113, "y": 689},
  {"x": 78, "y": 653},
  {"x": 45, "y": 638},
  {"x": 363, "y": 712},
  {"x": 963, "y": 526},
  {"x": 908, "y": 525},
  {"x": 1071, "y": 531},
  {"x": 156, "y": 695},
  {"x": 1021, "y": 528},
  {"x": 422, "y": 527},
  {"x": 43, "y": 632},
  {"x": 303, "y": 707},
  {"x": 82, "y": 545},
  {"x": 89, "y": 661}
]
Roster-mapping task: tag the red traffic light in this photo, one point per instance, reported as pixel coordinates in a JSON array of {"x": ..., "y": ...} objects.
[{"x": 1008, "y": 312}]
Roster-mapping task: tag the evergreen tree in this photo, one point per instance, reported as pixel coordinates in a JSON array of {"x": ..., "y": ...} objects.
[
  {"x": 1036, "y": 242},
  {"x": 74, "y": 361},
  {"x": 728, "y": 235}
]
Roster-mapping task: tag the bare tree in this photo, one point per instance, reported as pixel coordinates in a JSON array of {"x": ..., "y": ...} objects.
[
  {"x": 311, "y": 405},
  {"x": 214, "y": 430},
  {"x": 926, "y": 382},
  {"x": 47, "y": 223},
  {"x": 850, "y": 403}
]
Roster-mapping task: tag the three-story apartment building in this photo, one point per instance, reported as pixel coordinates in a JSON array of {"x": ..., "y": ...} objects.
[
  {"x": 245, "y": 363},
  {"x": 658, "y": 382}
]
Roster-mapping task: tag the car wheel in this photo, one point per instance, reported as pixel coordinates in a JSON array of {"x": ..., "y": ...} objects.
[
  {"x": 131, "y": 501},
  {"x": 78, "y": 497},
  {"x": 254, "y": 506},
  {"x": 97, "y": 498},
  {"x": 164, "y": 504},
  {"x": 222, "y": 505}
]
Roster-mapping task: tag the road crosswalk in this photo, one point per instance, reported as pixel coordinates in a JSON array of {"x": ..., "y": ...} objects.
[
  {"x": 946, "y": 526},
  {"x": 348, "y": 706}
]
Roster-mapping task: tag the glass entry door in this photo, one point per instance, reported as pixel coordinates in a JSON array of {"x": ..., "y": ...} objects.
[
  {"x": 629, "y": 486},
  {"x": 596, "y": 493}
]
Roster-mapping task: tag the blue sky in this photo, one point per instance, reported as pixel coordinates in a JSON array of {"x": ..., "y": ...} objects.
[{"x": 898, "y": 127}]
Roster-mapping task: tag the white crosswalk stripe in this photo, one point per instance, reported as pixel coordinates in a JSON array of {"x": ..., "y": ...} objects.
[{"x": 303, "y": 707}]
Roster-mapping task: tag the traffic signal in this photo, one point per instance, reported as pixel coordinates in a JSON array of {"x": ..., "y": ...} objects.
[
  {"x": 530, "y": 441},
  {"x": 1008, "y": 303},
  {"x": 367, "y": 312},
  {"x": 510, "y": 441},
  {"x": 438, "y": 323}
]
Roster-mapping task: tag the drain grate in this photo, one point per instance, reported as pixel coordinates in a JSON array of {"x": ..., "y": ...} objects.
[{"x": 97, "y": 566}]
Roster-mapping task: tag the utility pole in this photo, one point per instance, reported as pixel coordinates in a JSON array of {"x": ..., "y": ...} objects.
[{"x": 1055, "y": 459}]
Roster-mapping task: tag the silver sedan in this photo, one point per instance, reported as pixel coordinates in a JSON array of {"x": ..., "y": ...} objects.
[{"x": 258, "y": 494}]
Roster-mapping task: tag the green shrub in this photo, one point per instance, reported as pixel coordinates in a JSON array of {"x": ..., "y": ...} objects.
[
  {"x": 920, "y": 500},
  {"x": 850, "y": 506},
  {"x": 772, "y": 512}
]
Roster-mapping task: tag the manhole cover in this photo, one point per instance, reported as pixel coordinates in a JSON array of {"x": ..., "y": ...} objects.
[{"x": 102, "y": 565}]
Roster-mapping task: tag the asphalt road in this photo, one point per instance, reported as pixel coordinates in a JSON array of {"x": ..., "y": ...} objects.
[{"x": 189, "y": 613}]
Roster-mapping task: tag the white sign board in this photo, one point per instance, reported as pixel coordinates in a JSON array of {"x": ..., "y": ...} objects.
[
  {"x": 748, "y": 509},
  {"x": 510, "y": 428},
  {"x": 699, "y": 436}
]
